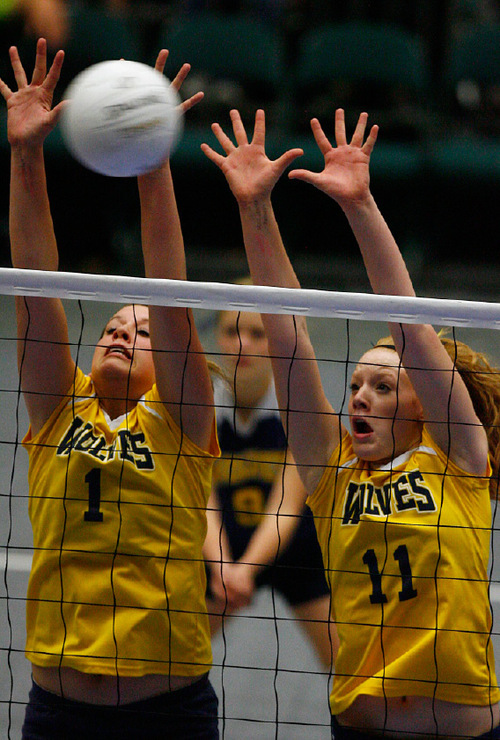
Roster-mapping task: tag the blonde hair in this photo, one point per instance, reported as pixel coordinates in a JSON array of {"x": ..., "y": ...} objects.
[{"x": 483, "y": 383}]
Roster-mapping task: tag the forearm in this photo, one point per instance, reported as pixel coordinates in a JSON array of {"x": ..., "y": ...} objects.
[
  {"x": 32, "y": 237},
  {"x": 162, "y": 241},
  {"x": 216, "y": 547},
  {"x": 284, "y": 510},
  {"x": 182, "y": 375},
  {"x": 384, "y": 263},
  {"x": 267, "y": 257},
  {"x": 269, "y": 540},
  {"x": 269, "y": 265},
  {"x": 296, "y": 373}
]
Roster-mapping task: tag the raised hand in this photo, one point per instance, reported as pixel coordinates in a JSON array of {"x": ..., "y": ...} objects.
[
  {"x": 178, "y": 80},
  {"x": 30, "y": 114},
  {"x": 250, "y": 173},
  {"x": 345, "y": 177}
]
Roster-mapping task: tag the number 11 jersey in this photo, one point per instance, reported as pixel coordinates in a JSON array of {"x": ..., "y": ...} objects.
[{"x": 405, "y": 549}]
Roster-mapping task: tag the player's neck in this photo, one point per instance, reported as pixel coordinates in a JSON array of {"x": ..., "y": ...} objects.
[
  {"x": 248, "y": 399},
  {"x": 115, "y": 407}
]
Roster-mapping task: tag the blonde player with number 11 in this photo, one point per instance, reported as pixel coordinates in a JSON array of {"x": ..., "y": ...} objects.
[
  {"x": 402, "y": 500},
  {"x": 120, "y": 472}
]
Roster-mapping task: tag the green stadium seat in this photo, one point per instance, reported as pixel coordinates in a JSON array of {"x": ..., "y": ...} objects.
[
  {"x": 365, "y": 66},
  {"x": 237, "y": 60}
]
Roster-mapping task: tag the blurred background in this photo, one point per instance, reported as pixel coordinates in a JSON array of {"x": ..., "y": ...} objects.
[{"x": 427, "y": 72}]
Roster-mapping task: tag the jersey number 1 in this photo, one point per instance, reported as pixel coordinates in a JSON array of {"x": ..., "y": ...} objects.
[{"x": 93, "y": 478}]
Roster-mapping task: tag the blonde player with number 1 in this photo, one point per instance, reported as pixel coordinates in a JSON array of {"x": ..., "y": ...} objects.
[
  {"x": 402, "y": 500},
  {"x": 120, "y": 472}
]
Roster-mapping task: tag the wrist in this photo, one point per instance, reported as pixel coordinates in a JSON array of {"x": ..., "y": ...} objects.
[
  {"x": 358, "y": 205},
  {"x": 23, "y": 151},
  {"x": 251, "y": 570},
  {"x": 255, "y": 207},
  {"x": 157, "y": 174}
]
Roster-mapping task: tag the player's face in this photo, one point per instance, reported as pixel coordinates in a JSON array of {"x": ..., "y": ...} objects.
[
  {"x": 242, "y": 338},
  {"x": 384, "y": 410},
  {"x": 124, "y": 351}
]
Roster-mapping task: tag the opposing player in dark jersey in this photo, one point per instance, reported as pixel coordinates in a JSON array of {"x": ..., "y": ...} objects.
[
  {"x": 259, "y": 532},
  {"x": 120, "y": 473},
  {"x": 402, "y": 500}
]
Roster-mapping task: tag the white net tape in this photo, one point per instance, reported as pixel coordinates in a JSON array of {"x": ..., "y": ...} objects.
[{"x": 215, "y": 296}]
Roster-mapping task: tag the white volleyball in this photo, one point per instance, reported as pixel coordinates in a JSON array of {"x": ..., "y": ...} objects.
[{"x": 123, "y": 118}]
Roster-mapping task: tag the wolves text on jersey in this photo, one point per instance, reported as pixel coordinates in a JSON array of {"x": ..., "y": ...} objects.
[
  {"x": 407, "y": 491},
  {"x": 81, "y": 437}
]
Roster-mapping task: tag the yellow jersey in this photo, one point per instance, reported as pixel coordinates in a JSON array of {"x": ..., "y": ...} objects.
[
  {"x": 405, "y": 550},
  {"x": 118, "y": 509}
]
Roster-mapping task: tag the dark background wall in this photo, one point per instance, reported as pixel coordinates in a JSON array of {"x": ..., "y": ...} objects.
[{"x": 427, "y": 72}]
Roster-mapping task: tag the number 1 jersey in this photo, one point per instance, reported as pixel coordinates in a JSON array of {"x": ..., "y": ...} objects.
[{"x": 118, "y": 509}]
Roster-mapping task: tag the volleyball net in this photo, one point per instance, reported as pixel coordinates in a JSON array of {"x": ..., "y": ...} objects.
[{"x": 269, "y": 679}]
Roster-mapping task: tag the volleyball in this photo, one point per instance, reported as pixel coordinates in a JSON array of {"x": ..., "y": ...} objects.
[{"x": 122, "y": 119}]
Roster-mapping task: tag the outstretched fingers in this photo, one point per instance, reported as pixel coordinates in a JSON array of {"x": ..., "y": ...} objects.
[
  {"x": 359, "y": 132},
  {"x": 340, "y": 134},
  {"x": 225, "y": 143},
  {"x": 321, "y": 138},
  {"x": 192, "y": 101},
  {"x": 222, "y": 138},
  {"x": 212, "y": 155},
  {"x": 287, "y": 158},
  {"x": 239, "y": 131},
  {"x": 178, "y": 81},
  {"x": 5, "y": 90},
  {"x": 251, "y": 156},
  {"x": 161, "y": 60},
  {"x": 367, "y": 147},
  {"x": 54, "y": 73},
  {"x": 358, "y": 137},
  {"x": 307, "y": 176},
  {"x": 40, "y": 68},
  {"x": 259, "y": 131},
  {"x": 17, "y": 68},
  {"x": 181, "y": 75},
  {"x": 57, "y": 110},
  {"x": 40, "y": 76}
]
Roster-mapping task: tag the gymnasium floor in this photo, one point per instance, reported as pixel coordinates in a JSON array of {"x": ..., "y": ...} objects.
[{"x": 269, "y": 681}]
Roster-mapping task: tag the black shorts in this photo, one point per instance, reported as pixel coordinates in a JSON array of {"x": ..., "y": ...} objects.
[
  {"x": 339, "y": 732},
  {"x": 298, "y": 575},
  {"x": 186, "y": 714}
]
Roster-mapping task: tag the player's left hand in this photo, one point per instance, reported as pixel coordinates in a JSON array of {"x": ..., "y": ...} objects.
[
  {"x": 178, "y": 80},
  {"x": 345, "y": 177}
]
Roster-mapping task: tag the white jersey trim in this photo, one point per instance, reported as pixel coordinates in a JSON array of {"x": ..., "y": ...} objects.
[{"x": 399, "y": 460}]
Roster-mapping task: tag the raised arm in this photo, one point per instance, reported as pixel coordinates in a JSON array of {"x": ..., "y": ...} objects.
[
  {"x": 45, "y": 363},
  {"x": 251, "y": 175},
  {"x": 181, "y": 368},
  {"x": 442, "y": 393}
]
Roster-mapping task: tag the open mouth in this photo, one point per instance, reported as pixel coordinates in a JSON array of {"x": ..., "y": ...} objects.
[
  {"x": 360, "y": 426},
  {"x": 118, "y": 350}
]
